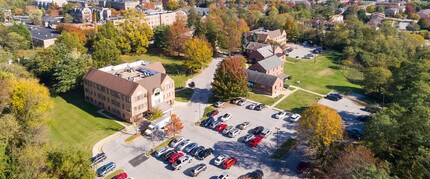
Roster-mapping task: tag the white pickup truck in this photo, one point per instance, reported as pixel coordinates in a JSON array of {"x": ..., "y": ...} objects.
[{"x": 158, "y": 124}]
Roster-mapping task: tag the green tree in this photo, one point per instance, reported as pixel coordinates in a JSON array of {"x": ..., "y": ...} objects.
[
  {"x": 171, "y": 5},
  {"x": 22, "y": 30},
  {"x": 380, "y": 9},
  {"x": 135, "y": 34},
  {"x": 230, "y": 80},
  {"x": 68, "y": 72},
  {"x": 161, "y": 36},
  {"x": 292, "y": 29},
  {"x": 35, "y": 17},
  {"x": 377, "y": 79},
  {"x": 14, "y": 41},
  {"x": 105, "y": 53},
  {"x": 68, "y": 18},
  {"x": 71, "y": 42},
  {"x": 69, "y": 163},
  {"x": 371, "y": 171},
  {"x": 371, "y": 9},
  {"x": 320, "y": 127},
  {"x": 244, "y": 42},
  {"x": 423, "y": 23},
  {"x": 198, "y": 54}
]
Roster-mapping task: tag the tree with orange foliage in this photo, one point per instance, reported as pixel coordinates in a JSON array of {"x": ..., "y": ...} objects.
[
  {"x": 71, "y": 29},
  {"x": 174, "y": 127},
  {"x": 149, "y": 5},
  {"x": 320, "y": 127},
  {"x": 115, "y": 13},
  {"x": 177, "y": 35}
]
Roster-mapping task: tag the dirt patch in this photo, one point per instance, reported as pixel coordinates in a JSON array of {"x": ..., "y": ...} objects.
[{"x": 326, "y": 72}]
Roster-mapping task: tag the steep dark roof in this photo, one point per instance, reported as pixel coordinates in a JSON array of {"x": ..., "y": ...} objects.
[
  {"x": 261, "y": 78},
  {"x": 110, "y": 81}
]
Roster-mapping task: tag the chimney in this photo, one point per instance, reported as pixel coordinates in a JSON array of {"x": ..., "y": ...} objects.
[{"x": 273, "y": 49}]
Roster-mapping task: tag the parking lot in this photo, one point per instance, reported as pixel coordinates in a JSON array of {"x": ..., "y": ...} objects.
[
  {"x": 299, "y": 50},
  {"x": 249, "y": 159}
]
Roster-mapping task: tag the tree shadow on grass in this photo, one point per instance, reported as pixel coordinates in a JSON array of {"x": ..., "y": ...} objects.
[{"x": 346, "y": 89}]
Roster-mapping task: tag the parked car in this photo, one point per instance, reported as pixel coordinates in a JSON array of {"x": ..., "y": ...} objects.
[
  {"x": 302, "y": 167},
  {"x": 225, "y": 117},
  {"x": 242, "y": 102},
  {"x": 205, "y": 153},
  {"x": 287, "y": 85},
  {"x": 265, "y": 133},
  {"x": 295, "y": 117},
  {"x": 221, "y": 127},
  {"x": 213, "y": 113},
  {"x": 372, "y": 108},
  {"x": 105, "y": 169},
  {"x": 255, "y": 141},
  {"x": 196, "y": 151},
  {"x": 198, "y": 169},
  {"x": 355, "y": 133},
  {"x": 190, "y": 147},
  {"x": 235, "y": 100},
  {"x": 224, "y": 175},
  {"x": 233, "y": 133},
  {"x": 207, "y": 122},
  {"x": 257, "y": 174},
  {"x": 98, "y": 158},
  {"x": 161, "y": 151},
  {"x": 334, "y": 96},
  {"x": 214, "y": 124},
  {"x": 227, "y": 129},
  {"x": 260, "y": 107},
  {"x": 244, "y": 125},
  {"x": 183, "y": 144},
  {"x": 182, "y": 161},
  {"x": 122, "y": 175},
  {"x": 219, "y": 104},
  {"x": 247, "y": 137},
  {"x": 280, "y": 114},
  {"x": 257, "y": 130},
  {"x": 229, "y": 162},
  {"x": 220, "y": 159},
  {"x": 168, "y": 154},
  {"x": 252, "y": 106},
  {"x": 175, "y": 157},
  {"x": 176, "y": 142}
]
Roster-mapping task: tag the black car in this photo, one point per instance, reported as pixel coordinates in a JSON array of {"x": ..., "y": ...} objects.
[
  {"x": 257, "y": 130},
  {"x": 167, "y": 155},
  {"x": 372, "y": 109},
  {"x": 98, "y": 158},
  {"x": 196, "y": 151},
  {"x": 207, "y": 122},
  {"x": 257, "y": 174},
  {"x": 260, "y": 107},
  {"x": 205, "y": 153},
  {"x": 334, "y": 97}
]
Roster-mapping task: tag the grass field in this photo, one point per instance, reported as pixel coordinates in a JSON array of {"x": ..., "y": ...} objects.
[
  {"x": 297, "y": 101},
  {"x": 184, "y": 95},
  {"x": 77, "y": 123},
  {"x": 174, "y": 67},
  {"x": 264, "y": 98},
  {"x": 320, "y": 76}
]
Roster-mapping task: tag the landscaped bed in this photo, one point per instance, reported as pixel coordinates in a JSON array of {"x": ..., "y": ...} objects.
[
  {"x": 163, "y": 144},
  {"x": 207, "y": 110}
]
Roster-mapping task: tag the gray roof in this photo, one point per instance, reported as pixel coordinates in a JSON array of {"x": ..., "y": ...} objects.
[
  {"x": 270, "y": 63},
  {"x": 42, "y": 33},
  {"x": 266, "y": 51},
  {"x": 255, "y": 45},
  {"x": 261, "y": 78}
]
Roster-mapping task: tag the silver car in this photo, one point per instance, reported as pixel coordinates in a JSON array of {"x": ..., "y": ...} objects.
[
  {"x": 227, "y": 129},
  {"x": 182, "y": 161},
  {"x": 233, "y": 133},
  {"x": 176, "y": 142},
  {"x": 248, "y": 137},
  {"x": 161, "y": 151},
  {"x": 183, "y": 144},
  {"x": 252, "y": 106}
]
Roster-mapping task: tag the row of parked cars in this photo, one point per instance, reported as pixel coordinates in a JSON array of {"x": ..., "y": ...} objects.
[
  {"x": 105, "y": 169},
  {"x": 291, "y": 118}
]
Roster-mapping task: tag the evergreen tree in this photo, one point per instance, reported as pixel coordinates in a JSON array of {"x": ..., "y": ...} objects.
[{"x": 244, "y": 42}]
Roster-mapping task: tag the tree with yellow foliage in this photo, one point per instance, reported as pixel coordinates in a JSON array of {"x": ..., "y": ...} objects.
[
  {"x": 320, "y": 127},
  {"x": 198, "y": 54}
]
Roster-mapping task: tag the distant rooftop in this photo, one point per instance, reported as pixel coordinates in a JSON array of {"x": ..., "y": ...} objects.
[
  {"x": 131, "y": 71},
  {"x": 155, "y": 12},
  {"x": 42, "y": 33}
]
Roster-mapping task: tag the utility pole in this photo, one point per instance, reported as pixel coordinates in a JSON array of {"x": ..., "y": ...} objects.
[{"x": 277, "y": 137}]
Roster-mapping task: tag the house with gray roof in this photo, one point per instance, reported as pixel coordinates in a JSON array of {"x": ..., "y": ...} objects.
[
  {"x": 264, "y": 52},
  {"x": 41, "y": 36},
  {"x": 264, "y": 83},
  {"x": 271, "y": 66}
]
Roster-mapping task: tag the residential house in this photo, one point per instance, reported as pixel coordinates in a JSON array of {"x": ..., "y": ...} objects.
[
  {"x": 130, "y": 90},
  {"x": 337, "y": 18},
  {"x": 52, "y": 21},
  {"x": 305, "y": 3},
  {"x": 264, "y": 83},
  {"x": 155, "y": 18},
  {"x": 271, "y": 66},
  {"x": 265, "y": 52},
  {"x": 425, "y": 13},
  {"x": 202, "y": 11},
  {"x": 262, "y": 35},
  {"x": 391, "y": 11},
  {"x": 253, "y": 46},
  {"x": 119, "y": 4},
  {"x": 42, "y": 37},
  {"x": 376, "y": 19},
  {"x": 81, "y": 15},
  {"x": 101, "y": 13}
]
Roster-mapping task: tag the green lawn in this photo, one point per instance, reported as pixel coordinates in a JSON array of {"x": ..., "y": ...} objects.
[
  {"x": 77, "y": 123},
  {"x": 297, "y": 101},
  {"x": 320, "y": 75},
  {"x": 264, "y": 98},
  {"x": 173, "y": 66},
  {"x": 284, "y": 149},
  {"x": 184, "y": 95},
  {"x": 205, "y": 114}
]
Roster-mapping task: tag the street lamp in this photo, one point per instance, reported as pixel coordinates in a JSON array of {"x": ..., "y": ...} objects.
[{"x": 277, "y": 136}]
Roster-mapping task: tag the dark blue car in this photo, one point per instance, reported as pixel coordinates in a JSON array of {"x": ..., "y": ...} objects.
[{"x": 105, "y": 169}]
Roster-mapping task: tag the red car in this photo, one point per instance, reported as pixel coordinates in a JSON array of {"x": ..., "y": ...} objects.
[
  {"x": 229, "y": 162},
  {"x": 255, "y": 141},
  {"x": 175, "y": 157},
  {"x": 302, "y": 167},
  {"x": 221, "y": 127},
  {"x": 122, "y": 175},
  {"x": 213, "y": 113}
]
